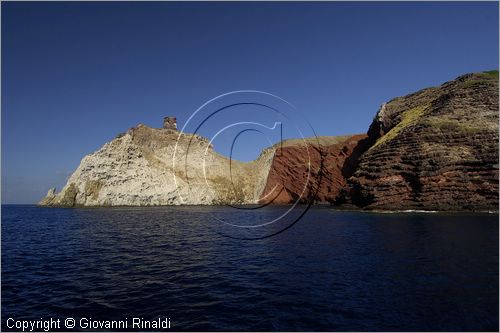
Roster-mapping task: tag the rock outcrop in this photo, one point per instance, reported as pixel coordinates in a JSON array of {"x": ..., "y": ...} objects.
[
  {"x": 140, "y": 168},
  {"x": 436, "y": 149},
  {"x": 49, "y": 198}
]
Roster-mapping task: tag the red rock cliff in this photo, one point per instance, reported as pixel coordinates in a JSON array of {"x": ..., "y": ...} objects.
[
  {"x": 313, "y": 169},
  {"x": 436, "y": 149}
]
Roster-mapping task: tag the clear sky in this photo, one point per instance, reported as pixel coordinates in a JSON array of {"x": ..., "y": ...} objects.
[{"x": 76, "y": 74}]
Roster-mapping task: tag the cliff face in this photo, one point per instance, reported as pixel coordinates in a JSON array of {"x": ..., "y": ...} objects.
[
  {"x": 436, "y": 149},
  {"x": 137, "y": 169},
  {"x": 313, "y": 169}
]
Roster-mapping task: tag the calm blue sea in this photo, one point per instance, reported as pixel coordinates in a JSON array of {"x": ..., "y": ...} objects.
[{"x": 333, "y": 270}]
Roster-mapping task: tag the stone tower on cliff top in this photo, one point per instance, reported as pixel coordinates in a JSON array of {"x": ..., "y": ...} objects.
[{"x": 170, "y": 123}]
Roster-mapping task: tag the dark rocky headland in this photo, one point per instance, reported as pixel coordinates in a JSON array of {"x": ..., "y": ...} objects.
[{"x": 436, "y": 149}]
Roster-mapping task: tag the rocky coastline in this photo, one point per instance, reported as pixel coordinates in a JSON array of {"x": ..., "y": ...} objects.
[{"x": 433, "y": 150}]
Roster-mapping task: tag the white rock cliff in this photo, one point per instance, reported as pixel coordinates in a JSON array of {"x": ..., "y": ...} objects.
[{"x": 140, "y": 168}]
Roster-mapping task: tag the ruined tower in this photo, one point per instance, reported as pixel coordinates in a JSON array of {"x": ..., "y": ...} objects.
[{"x": 170, "y": 123}]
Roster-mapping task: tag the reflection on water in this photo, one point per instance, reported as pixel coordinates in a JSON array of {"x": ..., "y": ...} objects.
[{"x": 332, "y": 271}]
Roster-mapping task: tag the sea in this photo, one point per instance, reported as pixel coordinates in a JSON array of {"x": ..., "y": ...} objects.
[{"x": 223, "y": 268}]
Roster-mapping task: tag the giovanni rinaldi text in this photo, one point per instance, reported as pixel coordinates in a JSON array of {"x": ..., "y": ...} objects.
[{"x": 49, "y": 324}]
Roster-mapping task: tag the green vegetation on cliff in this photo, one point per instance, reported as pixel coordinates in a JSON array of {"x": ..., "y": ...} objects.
[{"x": 408, "y": 118}]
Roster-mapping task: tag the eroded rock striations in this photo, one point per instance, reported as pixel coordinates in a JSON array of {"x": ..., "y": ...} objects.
[
  {"x": 314, "y": 169},
  {"x": 436, "y": 149}
]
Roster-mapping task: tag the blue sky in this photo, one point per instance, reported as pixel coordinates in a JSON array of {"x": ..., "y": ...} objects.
[{"x": 76, "y": 74}]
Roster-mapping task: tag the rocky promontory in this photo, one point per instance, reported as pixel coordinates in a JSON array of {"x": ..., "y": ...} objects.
[
  {"x": 436, "y": 149},
  {"x": 161, "y": 166}
]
